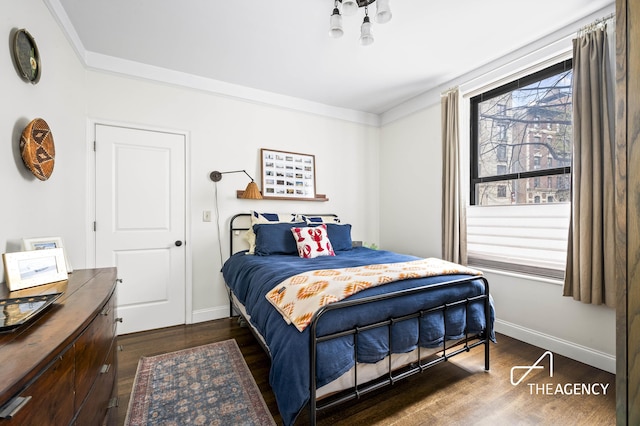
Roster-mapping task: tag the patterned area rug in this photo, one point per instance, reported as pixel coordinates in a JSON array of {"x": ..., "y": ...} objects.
[{"x": 205, "y": 385}]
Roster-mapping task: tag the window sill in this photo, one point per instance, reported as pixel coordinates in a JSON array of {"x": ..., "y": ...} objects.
[{"x": 519, "y": 275}]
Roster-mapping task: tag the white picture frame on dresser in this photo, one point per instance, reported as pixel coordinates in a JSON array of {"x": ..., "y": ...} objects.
[
  {"x": 43, "y": 243},
  {"x": 26, "y": 269}
]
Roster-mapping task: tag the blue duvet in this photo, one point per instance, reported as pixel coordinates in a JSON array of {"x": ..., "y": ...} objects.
[{"x": 251, "y": 277}]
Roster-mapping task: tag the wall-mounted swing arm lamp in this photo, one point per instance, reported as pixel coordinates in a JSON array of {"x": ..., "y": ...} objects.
[{"x": 251, "y": 192}]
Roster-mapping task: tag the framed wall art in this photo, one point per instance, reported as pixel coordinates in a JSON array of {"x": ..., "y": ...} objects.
[
  {"x": 26, "y": 269},
  {"x": 288, "y": 175},
  {"x": 44, "y": 243}
]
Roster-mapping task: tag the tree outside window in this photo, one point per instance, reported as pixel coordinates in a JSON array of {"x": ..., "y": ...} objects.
[{"x": 513, "y": 127}]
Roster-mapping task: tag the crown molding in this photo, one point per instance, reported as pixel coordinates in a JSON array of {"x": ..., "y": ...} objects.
[
  {"x": 98, "y": 62},
  {"x": 553, "y": 45}
]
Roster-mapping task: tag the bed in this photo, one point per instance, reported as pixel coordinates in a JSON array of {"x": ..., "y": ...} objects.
[{"x": 374, "y": 337}]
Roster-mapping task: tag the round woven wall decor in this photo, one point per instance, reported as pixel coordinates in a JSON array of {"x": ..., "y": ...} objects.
[{"x": 37, "y": 148}]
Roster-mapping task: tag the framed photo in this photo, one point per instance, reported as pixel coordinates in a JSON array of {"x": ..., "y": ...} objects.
[
  {"x": 26, "y": 269},
  {"x": 44, "y": 243},
  {"x": 288, "y": 175}
]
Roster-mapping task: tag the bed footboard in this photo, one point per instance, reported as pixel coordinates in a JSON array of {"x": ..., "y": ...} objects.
[{"x": 392, "y": 376}]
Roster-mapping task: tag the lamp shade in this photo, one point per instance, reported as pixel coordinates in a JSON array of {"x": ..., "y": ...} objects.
[
  {"x": 366, "y": 35},
  {"x": 335, "y": 24},
  {"x": 383, "y": 12},
  {"x": 349, "y": 7},
  {"x": 252, "y": 192}
]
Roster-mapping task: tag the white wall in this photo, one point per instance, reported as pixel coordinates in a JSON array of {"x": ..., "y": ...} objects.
[
  {"x": 227, "y": 134},
  {"x": 29, "y": 207},
  {"x": 224, "y": 134},
  {"x": 410, "y": 184},
  {"x": 535, "y": 311}
]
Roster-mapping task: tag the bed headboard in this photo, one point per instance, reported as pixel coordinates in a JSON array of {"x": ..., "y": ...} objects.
[
  {"x": 241, "y": 222},
  {"x": 238, "y": 225}
]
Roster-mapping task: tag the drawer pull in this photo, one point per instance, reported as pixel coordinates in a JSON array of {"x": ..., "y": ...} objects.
[
  {"x": 13, "y": 406},
  {"x": 113, "y": 402},
  {"x": 105, "y": 368},
  {"x": 119, "y": 319},
  {"x": 105, "y": 312}
]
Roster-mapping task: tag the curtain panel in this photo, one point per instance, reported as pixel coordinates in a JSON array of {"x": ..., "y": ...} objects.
[
  {"x": 454, "y": 228},
  {"x": 589, "y": 275}
]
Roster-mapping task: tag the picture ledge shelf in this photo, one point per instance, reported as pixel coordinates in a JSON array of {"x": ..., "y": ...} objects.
[{"x": 318, "y": 197}]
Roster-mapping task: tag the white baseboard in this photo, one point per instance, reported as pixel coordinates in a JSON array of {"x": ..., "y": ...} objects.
[
  {"x": 601, "y": 360},
  {"x": 210, "y": 314}
]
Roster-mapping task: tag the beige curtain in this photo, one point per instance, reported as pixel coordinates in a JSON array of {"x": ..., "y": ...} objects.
[
  {"x": 589, "y": 275},
  {"x": 454, "y": 239}
]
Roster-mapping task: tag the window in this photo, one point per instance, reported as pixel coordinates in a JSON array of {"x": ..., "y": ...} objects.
[
  {"x": 501, "y": 152},
  {"x": 502, "y": 132},
  {"x": 541, "y": 97},
  {"x": 526, "y": 231}
]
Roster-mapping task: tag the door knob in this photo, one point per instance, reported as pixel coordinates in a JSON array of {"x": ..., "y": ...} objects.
[{"x": 178, "y": 243}]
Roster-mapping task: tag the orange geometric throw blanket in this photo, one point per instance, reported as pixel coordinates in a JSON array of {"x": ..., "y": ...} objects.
[{"x": 299, "y": 297}]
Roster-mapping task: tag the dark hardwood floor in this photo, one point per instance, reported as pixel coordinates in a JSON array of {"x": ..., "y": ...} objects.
[{"x": 457, "y": 392}]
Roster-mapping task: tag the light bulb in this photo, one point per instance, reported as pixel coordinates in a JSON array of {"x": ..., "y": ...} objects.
[
  {"x": 349, "y": 7},
  {"x": 383, "y": 12},
  {"x": 366, "y": 36},
  {"x": 335, "y": 24}
]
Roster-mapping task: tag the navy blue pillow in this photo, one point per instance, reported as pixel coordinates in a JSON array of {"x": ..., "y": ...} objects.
[
  {"x": 275, "y": 238},
  {"x": 340, "y": 236}
]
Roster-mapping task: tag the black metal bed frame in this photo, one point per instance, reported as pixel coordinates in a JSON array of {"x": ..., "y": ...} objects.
[{"x": 441, "y": 354}]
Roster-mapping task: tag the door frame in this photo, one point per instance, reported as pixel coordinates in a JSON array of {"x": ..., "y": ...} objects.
[{"x": 90, "y": 213}]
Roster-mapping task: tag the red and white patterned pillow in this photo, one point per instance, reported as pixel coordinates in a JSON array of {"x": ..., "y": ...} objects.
[{"x": 313, "y": 241}]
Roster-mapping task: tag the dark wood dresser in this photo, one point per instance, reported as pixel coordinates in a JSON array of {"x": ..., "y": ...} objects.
[{"x": 60, "y": 368}]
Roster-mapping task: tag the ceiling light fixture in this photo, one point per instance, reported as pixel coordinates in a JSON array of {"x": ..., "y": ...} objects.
[{"x": 350, "y": 7}]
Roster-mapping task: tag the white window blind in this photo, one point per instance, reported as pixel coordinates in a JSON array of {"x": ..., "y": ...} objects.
[{"x": 527, "y": 238}]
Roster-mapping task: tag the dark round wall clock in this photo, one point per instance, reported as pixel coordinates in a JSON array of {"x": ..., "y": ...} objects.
[{"x": 26, "y": 56}]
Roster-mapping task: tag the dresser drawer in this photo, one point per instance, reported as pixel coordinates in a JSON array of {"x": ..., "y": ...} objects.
[
  {"x": 92, "y": 348},
  {"x": 51, "y": 401},
  {"x": 100, "y": 405},
  {"x": 54, "y": 366}
]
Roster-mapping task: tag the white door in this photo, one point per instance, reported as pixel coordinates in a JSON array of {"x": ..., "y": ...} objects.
[{"x": 140, "y": 223}]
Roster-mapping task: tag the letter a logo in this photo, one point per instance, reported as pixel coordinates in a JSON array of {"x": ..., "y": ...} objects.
[{"x": 535, "y": 365}]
